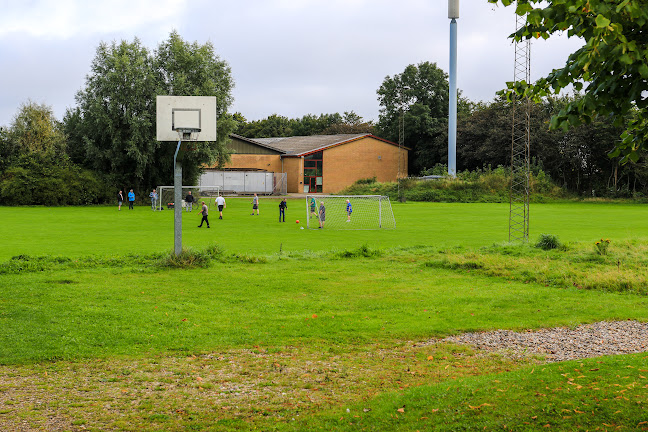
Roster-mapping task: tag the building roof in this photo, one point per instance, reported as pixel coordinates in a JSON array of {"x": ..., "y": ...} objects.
[
  {"x": 257, "y": 142},
  {"x": 304, "y": 145}
]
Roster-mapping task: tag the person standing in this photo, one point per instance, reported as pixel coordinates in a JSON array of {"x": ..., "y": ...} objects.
[
  {"x": 349, "y": 210},
  {"x": 322, "y": 214},
  {"x": 131, "y": 199},
  {"x": 153, "y": 195},
  {"x": 255, "y": 205},
  {"x": 120, "y": 200},
  {"x": 189, "y": 200},
  {"x": 313, "y": 204},
  {"x": 283, "y": 205},
  {"x": 204, "y": 213},
  {"x": 220, "y": 202}
]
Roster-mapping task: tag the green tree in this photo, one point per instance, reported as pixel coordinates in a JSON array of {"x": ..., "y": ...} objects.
[
  {"x": 612, "y": 65},
  {"x": 114, "y": 121},
  {"x": 35, "y": 130},
  {"x": 310, "y": 124},
  {"x": 420, "y": 95},
  {"x": 112, "y": 129},
  {"x": 36, "y": 168},
  {"x": 194, "y": 69}
]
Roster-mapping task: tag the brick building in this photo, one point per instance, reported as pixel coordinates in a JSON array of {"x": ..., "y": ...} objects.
[{"x": 320, "y": 163}]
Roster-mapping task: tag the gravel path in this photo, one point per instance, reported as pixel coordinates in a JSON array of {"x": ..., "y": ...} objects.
[{"x": 562, "y": 343}]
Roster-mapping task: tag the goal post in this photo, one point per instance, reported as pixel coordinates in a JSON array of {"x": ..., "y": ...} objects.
[
  {"x": 165, "y": 194},
  {"x": 367, "y": 212}
]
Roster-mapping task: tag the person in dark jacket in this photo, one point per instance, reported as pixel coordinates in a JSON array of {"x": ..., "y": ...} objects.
[
  {"x": 283, "y": 205},
  {"x": 189, "y": 200}
]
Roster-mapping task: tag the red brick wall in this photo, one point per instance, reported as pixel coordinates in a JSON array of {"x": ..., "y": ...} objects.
[
  {"x": 364, "y": 158},
  {"x": 294, "y": 167}
]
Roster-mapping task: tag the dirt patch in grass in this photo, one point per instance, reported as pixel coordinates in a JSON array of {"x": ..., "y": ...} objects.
[{"x": 220, "y": 390}]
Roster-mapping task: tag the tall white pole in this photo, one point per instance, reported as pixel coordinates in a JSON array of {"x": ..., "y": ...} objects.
[{"x": 453, "y": 14}]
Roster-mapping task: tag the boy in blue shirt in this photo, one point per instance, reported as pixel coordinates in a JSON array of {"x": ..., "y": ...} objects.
[{"x": 349, "y": 210}]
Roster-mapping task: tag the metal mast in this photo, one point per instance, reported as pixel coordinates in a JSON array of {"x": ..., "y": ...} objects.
[
  {"x": 453, "y": 14},
  {"x": 520, "y": 144}
]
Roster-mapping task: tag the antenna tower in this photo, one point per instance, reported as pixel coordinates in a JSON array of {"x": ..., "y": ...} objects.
[{"x": 520, "y": 144}]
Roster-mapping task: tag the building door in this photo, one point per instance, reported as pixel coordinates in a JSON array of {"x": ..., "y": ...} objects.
[{"x": 313, "y": 177}]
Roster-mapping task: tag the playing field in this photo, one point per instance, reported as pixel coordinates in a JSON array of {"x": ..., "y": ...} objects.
[
  {"x": 293, "y": 329},
  {"x": 79, "y": 231}
]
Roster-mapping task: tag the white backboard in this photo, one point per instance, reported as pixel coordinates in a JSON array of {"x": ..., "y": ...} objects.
[{"x": 177, "y": 113}]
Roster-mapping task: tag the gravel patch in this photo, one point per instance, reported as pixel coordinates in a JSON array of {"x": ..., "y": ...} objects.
[{"x": 562, "y": 343}]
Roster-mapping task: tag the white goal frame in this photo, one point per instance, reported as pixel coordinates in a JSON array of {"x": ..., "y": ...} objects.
[
  {"x": 213, "y": 190},
  {"x": 369, "y": 212}
]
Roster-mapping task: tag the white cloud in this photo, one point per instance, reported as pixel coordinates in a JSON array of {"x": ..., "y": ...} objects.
[{"x": 66, "y": 19}]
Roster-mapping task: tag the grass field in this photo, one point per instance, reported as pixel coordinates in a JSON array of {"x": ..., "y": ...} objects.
[
  {"x": 74, "y": 231},
  {"x": 290, "y": 329}
]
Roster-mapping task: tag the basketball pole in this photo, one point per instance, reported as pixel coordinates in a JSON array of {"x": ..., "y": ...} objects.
[{"x": 177, "y": 202}]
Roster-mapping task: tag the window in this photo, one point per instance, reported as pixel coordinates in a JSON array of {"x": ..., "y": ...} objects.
[{"x": 313, "y": 178}]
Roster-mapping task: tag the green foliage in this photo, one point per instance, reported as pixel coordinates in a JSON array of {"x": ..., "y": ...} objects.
[
  {"x": 112, "y": 129},
  {"x": 602, "y": 246},
  {"x": 43, "y": 179},
  {"x": 612, "y": 63},
  {"x": 480, "y": 185},
  {"x": 363, "y": 251},
  {"x": 547, "y": 242},
  {"x": 324, "y": 124},
  {"x": 188, "y": 258},
  {"x": 418, "y": 97}
]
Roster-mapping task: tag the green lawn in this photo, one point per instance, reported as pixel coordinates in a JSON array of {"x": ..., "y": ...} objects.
[
  {"x": 291, "y": 329},
  {"x": 79, "y": 231}
]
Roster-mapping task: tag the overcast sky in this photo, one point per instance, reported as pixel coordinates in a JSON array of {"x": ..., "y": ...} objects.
[{"x": 288, "y": 57}]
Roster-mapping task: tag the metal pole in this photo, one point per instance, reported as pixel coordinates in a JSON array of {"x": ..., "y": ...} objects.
[
  {"x": 177, "y": 202},
  {"x": 452, "y": 121}
]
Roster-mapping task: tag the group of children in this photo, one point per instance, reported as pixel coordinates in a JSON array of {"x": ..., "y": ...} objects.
[{"x": 220, "y": 202}]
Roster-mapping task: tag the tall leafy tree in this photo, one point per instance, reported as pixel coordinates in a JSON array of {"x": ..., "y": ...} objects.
[
  {"x": 36, "y": 168},
  {"x": 112, "y": 129},
  {"x": 612, "y": 64},
  {"x": 114, "y": 121},
  {"x": 35, "y": 130},
  {"x": 193, "y": 69},
  {"x": 420, "y": 95}
]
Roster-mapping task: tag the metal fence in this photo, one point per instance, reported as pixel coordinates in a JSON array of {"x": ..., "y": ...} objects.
[{"x": 247, "y": 182}]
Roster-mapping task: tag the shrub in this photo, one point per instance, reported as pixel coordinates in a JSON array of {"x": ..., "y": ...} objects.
[
  {"x": 601, "y": 247},
  {"x": 188, "y": 258},
  {"x": 547, "y": 242}
]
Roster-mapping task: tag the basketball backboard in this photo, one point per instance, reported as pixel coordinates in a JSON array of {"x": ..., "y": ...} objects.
[{"x": 186, "y": 118}]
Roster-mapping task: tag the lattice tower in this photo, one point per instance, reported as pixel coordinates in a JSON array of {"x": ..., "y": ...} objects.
[{"x": 520, "y": 145}]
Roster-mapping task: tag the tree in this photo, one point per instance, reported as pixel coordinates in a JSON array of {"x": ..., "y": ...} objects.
[
  {"x": 324, "y": 124},
  {"x": 193, "y": 69},
  {"x": 114, "y": 121},
  {"x": 35, "y": 130},
  {"x": 612, "y": 63},
  {"x": 112, "y": 129},
  {"x": 420, "y": 95},
  {"x": 36, "y": 169}
]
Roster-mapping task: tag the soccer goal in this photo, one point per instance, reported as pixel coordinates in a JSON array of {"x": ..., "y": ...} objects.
[
  {"x": 166, "y": 199},
  {"x": 367, "y": 212}
]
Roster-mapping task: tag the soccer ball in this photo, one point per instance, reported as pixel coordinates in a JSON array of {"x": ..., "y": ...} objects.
[{"x": 297, "y": 221}]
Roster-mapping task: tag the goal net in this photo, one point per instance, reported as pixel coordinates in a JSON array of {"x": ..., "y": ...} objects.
[
  {"x": 367, "y": 212},
  {"x": 206, "y": 193}
]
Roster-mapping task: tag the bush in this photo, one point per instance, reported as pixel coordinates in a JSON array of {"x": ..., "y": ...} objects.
[
  {"x": 480, "y": 185},
  {"x": 36, "y": 179},
  {"x": 547, "y": 242}
]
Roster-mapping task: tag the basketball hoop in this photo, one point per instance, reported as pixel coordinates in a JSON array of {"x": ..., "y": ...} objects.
[{"x": 188, "y": 134}]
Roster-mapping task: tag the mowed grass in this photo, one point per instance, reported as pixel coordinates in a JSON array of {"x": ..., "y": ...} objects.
[
  {"x": 293, "y": 329},
  {"x": 81, "y": 231}
]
